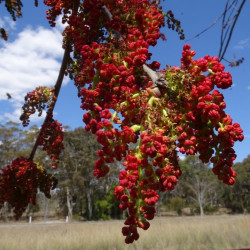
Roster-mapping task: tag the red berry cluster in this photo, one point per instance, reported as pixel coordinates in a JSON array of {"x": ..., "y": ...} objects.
[
  {"x": 51, "y": 140},
  {"x": 59, "y": 7},
  {"x": 111, "y": 39},
  {"x": 51, "y": 135},
  {"x": 19, "y": 183},
  {"x": 142, "y": 180},
  {"x": 208, "y": 130},
  {"x": 110, "y": 75},
  {"x": 37, "y": 100}
]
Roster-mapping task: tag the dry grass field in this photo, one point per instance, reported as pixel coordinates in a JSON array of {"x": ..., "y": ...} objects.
[{"x": 209, "y": 232}]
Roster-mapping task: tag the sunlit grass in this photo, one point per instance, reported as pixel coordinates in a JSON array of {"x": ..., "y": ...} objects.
[{"x": 210, "y": 232}]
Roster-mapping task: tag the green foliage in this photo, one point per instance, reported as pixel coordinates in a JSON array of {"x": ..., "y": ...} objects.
[
  {"x": 75, "y": 170},
  {"x": 108, "y": 207},
  {"x": 10, "y": 138},
  {"x": 77, "y": 217},
  {"x": 177, "y": 204},
  {"x": 102, "y": 208},
  {"x": 210, "y": 209},
  {"x": 197, "y": 183},
  {"x": 91, "y": 198},
  {"x": 17, "y": 142},
  {"x": 94, "y": 199},
  {"x": 237, "y": 197}
]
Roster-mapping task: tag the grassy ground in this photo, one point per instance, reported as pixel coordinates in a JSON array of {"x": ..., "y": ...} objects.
[{"x": 194, "y": 233}]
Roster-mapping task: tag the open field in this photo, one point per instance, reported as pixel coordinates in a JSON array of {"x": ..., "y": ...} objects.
[{"x": 209, "y": 232}]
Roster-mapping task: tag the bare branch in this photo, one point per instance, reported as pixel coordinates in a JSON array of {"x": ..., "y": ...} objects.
[
  {"x": 110, "y": 17},
  {"x": 152, "y": 74},
  {"x": 223, "y": 50},
  {"x": 211, "y": 25},
  {"x": 157, "y": 78}
]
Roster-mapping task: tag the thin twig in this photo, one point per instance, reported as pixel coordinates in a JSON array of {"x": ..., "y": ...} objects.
[
  {"x": 231, "y": 31},
  {"x": 224, "y": 25},
  {"x": 210, "y": 26}
]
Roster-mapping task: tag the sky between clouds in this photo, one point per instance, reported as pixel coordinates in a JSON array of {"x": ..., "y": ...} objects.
[{"x": 33, "y": 54}]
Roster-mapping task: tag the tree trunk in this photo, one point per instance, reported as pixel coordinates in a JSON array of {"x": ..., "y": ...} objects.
[
  {"x": 46, "y": 208},
  {"x": 5, "y": 211},
  {"x": 242, "y": 206},
  {"x": 28, "y": 211},
  {"x": 69, "y": 204},
  {"x": 200, "y": 197},
  {"x": 89, "y": 203},
  {"x": 201, "y": 207}
]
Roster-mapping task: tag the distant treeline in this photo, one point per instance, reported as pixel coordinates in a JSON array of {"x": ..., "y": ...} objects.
[{"x": 79, "y": 195}]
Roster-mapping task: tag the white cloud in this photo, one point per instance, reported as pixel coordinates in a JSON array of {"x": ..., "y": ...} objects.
[
  {"x": 7, "y": 23},
  {"x": 33, "y": 59},
  {"x": 243, "y": 44}
]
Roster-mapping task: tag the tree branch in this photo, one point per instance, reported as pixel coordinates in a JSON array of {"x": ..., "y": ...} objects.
[
  {"x": 221, "y": 55},
  {"x": 57, "y": 88},
  {"x": 110, "y": 17},
  {"x": 211, "y": 25},
  {"x": 157, "y": 78},
  {"x": 58, "y": 85}
]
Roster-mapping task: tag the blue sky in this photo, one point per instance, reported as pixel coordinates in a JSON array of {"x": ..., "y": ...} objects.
[{"x": 32, "y": 57}]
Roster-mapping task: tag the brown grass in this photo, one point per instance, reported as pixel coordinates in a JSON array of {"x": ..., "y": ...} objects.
[{"x": 209, "y": 232}]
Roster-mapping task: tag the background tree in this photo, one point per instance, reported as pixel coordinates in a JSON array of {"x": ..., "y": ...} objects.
[
  {"x": 10, "y": 142},
  {"x": 237, "y": 197},
  {"x": 197, "y": 182},
  {"x": 77, "y": 185}
]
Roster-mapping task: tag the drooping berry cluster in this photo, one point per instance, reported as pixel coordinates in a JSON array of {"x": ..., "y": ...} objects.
[
  {"x": 209, "y": 130},
  {"x": 51, "y": 135},
  {"x": 51, "y": 140},
  {"x": 37, "y": 100},
  {"x": 59, "y": 7},
  {"x": 111, "y": 40},
  {"x": 19, "y": 183}
]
